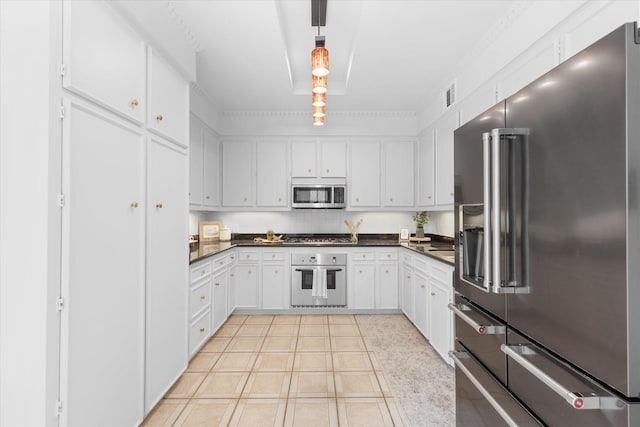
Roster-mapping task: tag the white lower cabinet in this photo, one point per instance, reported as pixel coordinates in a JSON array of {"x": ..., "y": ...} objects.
[
  {"x": 244, "y": 280},
  {"x": 407, "y": 304},
  {"x": 387, "y": 279},
  {"x": 220, "y": 288},
  {"x": 275, "y": 280},
  {"x": 200, "y": 297},
  {"x": 361, "y": 280},
  {"x": 421, "y": 304},
  {"x": 441, "y": 321}
]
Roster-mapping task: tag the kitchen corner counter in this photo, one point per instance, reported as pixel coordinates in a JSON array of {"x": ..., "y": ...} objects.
[{"x": 439, "y": 248}]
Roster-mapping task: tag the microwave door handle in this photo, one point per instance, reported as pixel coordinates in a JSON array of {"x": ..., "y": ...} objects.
[{"x": 486, "y": 182}]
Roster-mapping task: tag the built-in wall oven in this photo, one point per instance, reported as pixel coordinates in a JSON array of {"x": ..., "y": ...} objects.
[{"x": 318, "y": 280}]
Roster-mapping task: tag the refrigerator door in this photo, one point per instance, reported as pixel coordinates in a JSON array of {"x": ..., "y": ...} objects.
[
  {"x": 557, "y": 393},
  {"x": 471, "y": 164},
  {"x": 577, "y": 217}
]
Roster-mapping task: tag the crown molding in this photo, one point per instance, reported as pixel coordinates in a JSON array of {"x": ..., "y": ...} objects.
[{"x": 179, "y": 23}]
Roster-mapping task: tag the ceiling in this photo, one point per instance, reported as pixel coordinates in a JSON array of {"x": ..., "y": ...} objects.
[{"x": 385, "y": 55}]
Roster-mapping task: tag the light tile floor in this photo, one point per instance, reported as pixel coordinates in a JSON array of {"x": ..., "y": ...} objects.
[{"x": 312, "y": 370}]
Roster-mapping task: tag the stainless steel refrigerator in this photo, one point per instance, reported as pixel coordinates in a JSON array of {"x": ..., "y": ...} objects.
[{"x": 547, "y": 216}]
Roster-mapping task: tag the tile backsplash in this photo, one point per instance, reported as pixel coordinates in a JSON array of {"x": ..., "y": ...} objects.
[{"x": 322, "y": 221}]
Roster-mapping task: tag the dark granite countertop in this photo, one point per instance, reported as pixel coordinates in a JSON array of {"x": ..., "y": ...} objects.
[{"x": 436, "y": 249}]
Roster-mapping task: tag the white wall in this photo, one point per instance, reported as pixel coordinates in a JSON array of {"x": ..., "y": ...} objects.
[
  {"x": 29, "y": 218},
  {"x": 321, "y": 221}
]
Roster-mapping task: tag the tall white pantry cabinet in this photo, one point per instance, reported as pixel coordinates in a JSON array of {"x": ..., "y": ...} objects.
[{"x": 125, "y": 221}]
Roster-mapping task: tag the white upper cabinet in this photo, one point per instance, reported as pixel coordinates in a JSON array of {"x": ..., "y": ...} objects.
[
  {"x": 323, "y": 159},
  {"x": 398, "y": 174},
  {"x": 168, "y": 94},
  {"x": 196, "y": 163},
  {"x": 271, "y": 172},
  {"x": 444, "y": 158},
  {"x": 303, "y": 159},
  {"x": 426, "y": 171},
  {"x": 104, "y": 59},
  {"x": 364, "y": 187},
  {"x": 237, "y": 173},
  {"x": 211, "y": 173},
  {"x": 333, "y": 159}
]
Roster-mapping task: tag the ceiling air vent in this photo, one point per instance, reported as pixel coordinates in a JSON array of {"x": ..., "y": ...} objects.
[{"x": 450, "y": 95}]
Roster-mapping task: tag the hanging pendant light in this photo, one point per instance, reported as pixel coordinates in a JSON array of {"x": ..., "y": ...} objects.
[
  {"x": 318, "y": 99},
  {"x": 318, "y": 121},
  {"x": 319, "y": 84},
  {"x": 318, "y": 112},
  {"x": 319, "y": 58}
]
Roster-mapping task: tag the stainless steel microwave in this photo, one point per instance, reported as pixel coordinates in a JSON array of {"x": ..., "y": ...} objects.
[{"x": 318, "y": 196}]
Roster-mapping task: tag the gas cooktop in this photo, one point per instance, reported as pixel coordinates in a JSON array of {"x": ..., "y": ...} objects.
[{"x": 318, "y": 240}]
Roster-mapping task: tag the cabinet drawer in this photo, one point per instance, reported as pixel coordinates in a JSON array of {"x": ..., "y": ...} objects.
[
  {"x": 220, "y": 262},
  {"x": 388, "y": 256},
  {"x": 199, "y": 271},
  {"x": 273, "y": 256},
  {"x": 199, "y": 298},
  {"x": 441, "y": 274},
  {"x": 199, "y": 332},
  {"x": 248, "y": 256},
  {"x": 421, "y": 263},
  {"x": 364, "y": 256},
  {"x": 407, "y": 259}
]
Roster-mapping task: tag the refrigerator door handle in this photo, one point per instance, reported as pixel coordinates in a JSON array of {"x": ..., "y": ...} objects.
[
  {"x": 486, "y": 185},
  {"x": 456, "y": 356},
  {"x": 459, "y": 309},
  {"x": 577, "y": 400},
  {"x": 495, "y": 228}
]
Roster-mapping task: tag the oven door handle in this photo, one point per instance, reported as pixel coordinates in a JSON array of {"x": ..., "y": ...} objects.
[{"x": 319, "y": 267}]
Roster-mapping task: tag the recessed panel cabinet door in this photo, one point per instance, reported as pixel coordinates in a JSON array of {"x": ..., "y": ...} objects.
[
  {"x": 103, "y": 268},
  {"x": 237, "y": 173},
  {"x": 104, "y": 58},
  {"x": 211, "y": 183},
  {"x": 398, "y": 173},
  {"x": 196, "y": 161},
  {"x": 167, "y": 268},
  {"x": 364, "y": 188},
  {"x": 271, "y": 169}
]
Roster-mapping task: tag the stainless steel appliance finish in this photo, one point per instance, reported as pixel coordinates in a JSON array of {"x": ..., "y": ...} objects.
[
  {"x": 548, "y": 237},
  {"x": 307, "y": 269},
  {"x": 318, "y": 195}
]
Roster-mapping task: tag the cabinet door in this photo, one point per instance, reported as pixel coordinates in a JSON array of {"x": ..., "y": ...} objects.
[
  {"x": 220, "y": 289},
  {"x": 275, "y": 287},
  {"x": 364, "y": 188},
  {"x": 420, "y": 293},
  {"x": 211, "y": 178},
  {"x": 303, "y": 159},
  {"x": 426, "y": 171},
  {"x": 444, "y": 159},
  {"x": 245, "y": 286},
  {"x": 237, "y": 173},
  {"x": 271, "y": 174},
  {"x": 440, "y": 324},
  {"x": 168, "y": 93},
  {"x": 364, "y": 285},
  {"x": 103, "y": 267},
  {"x": 387, "y": 286},
  {"x": 407, "y": 293},
  {"x": 167, "y": 268},
  {"x": 333, "y": 159},
  {"x": 398, "y": 172},
  {"x": 104, "y": 58},
  {"x": 196, "y": 161}
]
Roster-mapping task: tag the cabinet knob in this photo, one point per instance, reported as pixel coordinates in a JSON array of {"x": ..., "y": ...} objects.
[
  {"x": 217, "y": 284},
  {"x": 221, "y": 262},
  {"x": 408, "y": 277},
  {"x": 386, "y": 271},
  {"x": 360, "y": 271},
  {"x": 159, "y": 205},
  {"x": 203, "y": 272},
  {"x": 134, "y": 103},
  {"x": 309, "y": 170},
  {"x": 208, "y": 197},
  {"x": 159, "y": 117},
  {"x": 327, "y": 170},
  {"x": 249, "y": 272},
  {"x": 391, "y": 199},
  {"x": 245, "y": 199},
  {"x": 433, "y": 294},
  {"x": 276, "y": 271},
  {"x": 134, "y": 205},
  {"x": 388, "y": 255},
  {"x": 248, "y": 256},
  {"x": 357, "y": 199},
  {"x": 422, "y": 286},
  {"x": 429, "y": 197},
  {"x": 451, "y": 194},
  {"x": 202, "y": 297},
  {"x": 273, "y": 255},
  {"x": 232, "y": 275},
  {"x": 279, "y": 199},
  {"x": 201, "y": 329}
]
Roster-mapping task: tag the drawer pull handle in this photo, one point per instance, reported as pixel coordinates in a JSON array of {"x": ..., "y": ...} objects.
[
  {"x": 459, "y": 310},
  {"x": 201, "y": 329},
  {"x": 577, "y": 400},
  {"x": 202, "y": 297},
  {"x": 217, "y": 284}
]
